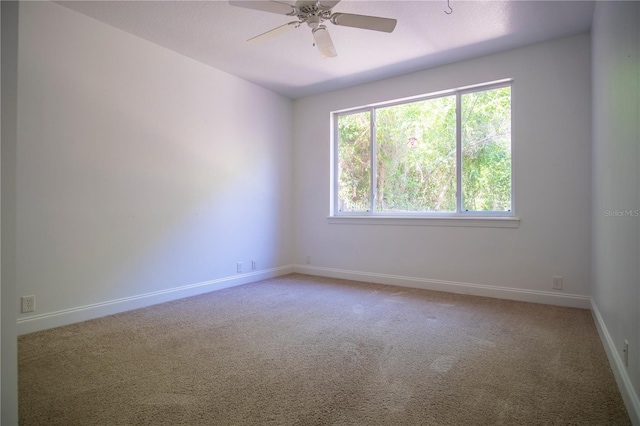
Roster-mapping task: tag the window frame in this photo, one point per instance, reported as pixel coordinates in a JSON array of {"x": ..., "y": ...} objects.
[{"x": 457, "y": 218}]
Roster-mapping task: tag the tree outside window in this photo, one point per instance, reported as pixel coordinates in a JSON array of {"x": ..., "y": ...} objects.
[{"x": 445, "y": 154}]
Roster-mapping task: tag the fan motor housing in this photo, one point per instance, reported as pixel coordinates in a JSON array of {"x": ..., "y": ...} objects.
[
  {"x": 309, "y": 9},
  {"x": 313, "y": 21}
]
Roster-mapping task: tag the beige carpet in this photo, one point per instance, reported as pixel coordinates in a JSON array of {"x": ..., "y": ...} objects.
[{"x": 301, "y": 350}]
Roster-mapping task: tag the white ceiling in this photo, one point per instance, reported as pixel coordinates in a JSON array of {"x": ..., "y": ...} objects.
[{"x": 215, "y": 33}]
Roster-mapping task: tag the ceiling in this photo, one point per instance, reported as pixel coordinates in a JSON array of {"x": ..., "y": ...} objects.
[{"x": 215, "y": 33}]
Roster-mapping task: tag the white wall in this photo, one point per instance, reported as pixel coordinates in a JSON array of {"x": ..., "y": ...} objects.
[
  {"x": 616, "y": 187},
  {"x": 551, "y": 162},
  {"x": 139, "y": 170},
  {"x": 9, "y": 355}
]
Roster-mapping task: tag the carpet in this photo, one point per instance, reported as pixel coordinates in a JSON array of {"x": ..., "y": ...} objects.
[{"x": 303, "y": 350}]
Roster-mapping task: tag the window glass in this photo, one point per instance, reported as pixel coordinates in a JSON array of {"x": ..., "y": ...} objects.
[
  {"x": 416, "y": 156},
  {"x": 486, "y": 150},
  {"x": 354, "y": 162},
  {"x": 407, "y": 158}
]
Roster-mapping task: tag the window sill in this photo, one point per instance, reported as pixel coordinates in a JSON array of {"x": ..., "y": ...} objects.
[{"x": 481, "y": 222}]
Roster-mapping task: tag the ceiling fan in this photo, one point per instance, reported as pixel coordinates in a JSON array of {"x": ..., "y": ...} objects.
[{"x": 314, "y": 13}]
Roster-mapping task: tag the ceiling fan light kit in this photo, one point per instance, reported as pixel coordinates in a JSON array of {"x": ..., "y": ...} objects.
[{"x": 314, "y": 13}]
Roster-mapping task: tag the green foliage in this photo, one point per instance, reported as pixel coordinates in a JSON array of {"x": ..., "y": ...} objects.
[
  {"x": 354, "y": 161},
  {"x": 486, "y": 150},
  {"x": 416, "y": 155}
]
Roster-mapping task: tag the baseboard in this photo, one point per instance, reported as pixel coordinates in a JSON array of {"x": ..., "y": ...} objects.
[
  {"x": 627, "y": 391},
  {"x": 83, "y": 313},
  {"x": 534, "y": 296}
]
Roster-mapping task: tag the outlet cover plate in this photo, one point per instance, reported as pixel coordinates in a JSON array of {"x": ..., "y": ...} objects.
[{"x": 27, "y": 304}]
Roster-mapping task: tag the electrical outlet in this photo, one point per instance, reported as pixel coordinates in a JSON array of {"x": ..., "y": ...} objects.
[
  {"x": 254, "y": 265},
  {"x": 239, "y": 266},
  {"x": 28, "y": 304},
  {"x": 557, "y": 283},
  {"x": 308, "y": 260},
  {"x": 626, "y": 353}
]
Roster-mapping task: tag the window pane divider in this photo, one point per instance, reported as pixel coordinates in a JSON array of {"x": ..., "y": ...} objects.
[
  {"x": 374, "y": 165},
  {"x": 458, "y": 152}
]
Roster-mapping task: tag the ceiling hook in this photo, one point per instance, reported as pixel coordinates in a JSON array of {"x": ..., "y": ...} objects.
[{"x": 450, "y": 11}]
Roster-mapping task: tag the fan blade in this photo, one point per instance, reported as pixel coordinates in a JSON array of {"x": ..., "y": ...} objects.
[
  {"x": 273, "y": 33},
  {"x": 327, "y": 4},
  {"x": 324, "y": 43},
  {"x": 299, "y": 4},
  {"x": 375, "y": 23},
  {"x": 266, "y": 6}
]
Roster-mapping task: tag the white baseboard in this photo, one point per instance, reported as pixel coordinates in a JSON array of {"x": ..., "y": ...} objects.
[
  {"x": 101, "y": 309},
  {"x": 627, "y": 391},
  {"x": 535, "y": 296},
  {"x": 44, "y": 321}
]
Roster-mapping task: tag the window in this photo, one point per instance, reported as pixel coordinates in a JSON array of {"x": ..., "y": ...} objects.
[{"x": 443, "y": 155}]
